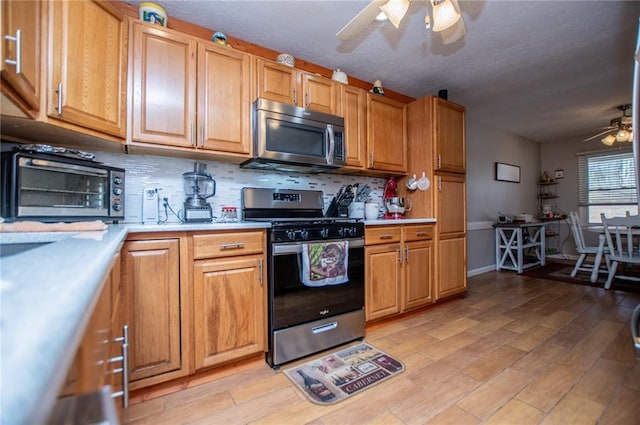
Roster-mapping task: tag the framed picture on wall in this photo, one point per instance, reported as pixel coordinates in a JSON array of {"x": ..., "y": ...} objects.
[{"x": 507, "y": 172}]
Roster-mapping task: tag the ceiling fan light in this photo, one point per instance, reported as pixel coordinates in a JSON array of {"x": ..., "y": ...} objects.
[
  {"x": 622, "y": 136},
  {"x": 381, "y": 17},
  {"x": 609, "y": 140},
  {"x": 444, "y": 15},
  {"x": 395, "y": 10}
]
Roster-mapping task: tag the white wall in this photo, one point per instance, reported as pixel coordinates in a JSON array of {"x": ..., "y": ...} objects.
[{"x": 486, "y": 196}]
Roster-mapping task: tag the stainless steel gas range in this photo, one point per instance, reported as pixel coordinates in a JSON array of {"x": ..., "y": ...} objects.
[{"x": 315, "y": 273}]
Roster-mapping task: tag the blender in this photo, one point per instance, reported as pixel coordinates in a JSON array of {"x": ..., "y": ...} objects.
[{"x": 198, "y": 187}]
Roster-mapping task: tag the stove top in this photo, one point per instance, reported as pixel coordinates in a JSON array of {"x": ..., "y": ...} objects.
[{"x": 296, "y": 215}]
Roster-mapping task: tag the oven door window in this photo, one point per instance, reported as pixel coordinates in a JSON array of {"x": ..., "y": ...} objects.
[
  {"x": 295, "y": 303},
  {"x": 50, "y": 186}
]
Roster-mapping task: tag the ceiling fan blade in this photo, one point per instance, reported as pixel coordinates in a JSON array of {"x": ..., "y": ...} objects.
[
  {"x": 457, "y": 30},
  {"x": 598, "y": 135},
  {"x": 360, "y": 21}
]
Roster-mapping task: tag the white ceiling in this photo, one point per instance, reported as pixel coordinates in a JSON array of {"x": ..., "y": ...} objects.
[{"x": 548, "y": 71}]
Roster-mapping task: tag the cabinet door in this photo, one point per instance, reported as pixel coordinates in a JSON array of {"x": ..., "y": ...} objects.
[
  {"x": 353, "y": 108},
  {"x": 452, "y": 267},
  {"x": 22, "y": 21},
  {"x": 451, "y": 205},
  {"x": 277, "y": 82},
  {"x": 164, "y": 87},
  {"x": 319, "y": 93},
  {"x": 386, "y": 134},
  {"x": 382, "y": 288},
  {"x": 229, "y": 309},
  {"x": 151, "y": 278},
  {"x": 224, "y": 99},
  {"x": 418, "y": 273},
  {"x": 449, "y": 135},
  {"x": 88, "y": 48}
]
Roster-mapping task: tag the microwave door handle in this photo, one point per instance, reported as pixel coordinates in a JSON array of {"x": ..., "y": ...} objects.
[{"x": 332, "y": 144}]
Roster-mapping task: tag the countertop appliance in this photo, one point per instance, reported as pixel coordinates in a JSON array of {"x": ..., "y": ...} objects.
[
  {"x": 395, "y": 206},
  {"x": 292, "y": 139},
  {"x": 198, "y": 187},
  {"x": 304, "y": 317},
  {"x": 56, "y": 187}
]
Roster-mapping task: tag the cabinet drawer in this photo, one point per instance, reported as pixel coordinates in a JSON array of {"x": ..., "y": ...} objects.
[
  {"x": 228, "y": 244},
  {"x": 378, "y": 235},
  {"x": 418, "y": 233}
]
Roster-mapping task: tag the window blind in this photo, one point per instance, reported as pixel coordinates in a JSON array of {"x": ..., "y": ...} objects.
[{"x": 607, "y": 183}]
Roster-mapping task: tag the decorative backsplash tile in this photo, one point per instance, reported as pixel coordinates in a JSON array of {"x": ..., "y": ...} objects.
[{"x": 166, "y": 174}]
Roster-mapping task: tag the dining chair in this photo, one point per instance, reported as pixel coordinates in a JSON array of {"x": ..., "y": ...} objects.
[
  {"x": 623, "y": 239},
  {"x": 584, "y": 250}
]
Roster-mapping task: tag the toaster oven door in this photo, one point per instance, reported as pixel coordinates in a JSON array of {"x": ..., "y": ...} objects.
[{"x": 50, "y": 188}]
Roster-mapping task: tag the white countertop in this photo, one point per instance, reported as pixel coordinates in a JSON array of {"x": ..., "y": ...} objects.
[
  {"x": 47, "y": 294},
  {"x": 46, "y": 297}
]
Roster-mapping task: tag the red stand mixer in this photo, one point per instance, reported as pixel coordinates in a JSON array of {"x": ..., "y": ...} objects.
[{"x": 394, "y": 205}]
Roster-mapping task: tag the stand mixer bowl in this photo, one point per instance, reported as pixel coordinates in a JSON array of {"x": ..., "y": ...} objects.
[{"x": 396, "y": 206}]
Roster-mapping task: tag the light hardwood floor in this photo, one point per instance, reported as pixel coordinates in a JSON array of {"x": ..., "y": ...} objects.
[{"x": 513, "y": 350}]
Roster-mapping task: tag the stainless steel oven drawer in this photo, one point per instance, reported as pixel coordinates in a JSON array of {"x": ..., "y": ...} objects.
[{"x": 298, "y": 341}]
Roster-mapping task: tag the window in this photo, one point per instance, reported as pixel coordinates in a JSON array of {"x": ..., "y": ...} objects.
[{"x": 606, "y": 184}]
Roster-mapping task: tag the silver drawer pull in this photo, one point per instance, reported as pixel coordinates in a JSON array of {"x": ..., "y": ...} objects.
[
  {"x": 232, "y": 245},
  {"x": 116, "y": 359},
  {"x": 421, "y": 234},
  {"x": 386, "y": 236}
]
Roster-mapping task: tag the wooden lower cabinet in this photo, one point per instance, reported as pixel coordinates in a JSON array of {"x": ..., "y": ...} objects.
[
  {"x": 151, "y": 278},
  {"x": 450, "y": 206},
  {"x": 229, "y": 309},
  {"x": 399, "y": 263}
]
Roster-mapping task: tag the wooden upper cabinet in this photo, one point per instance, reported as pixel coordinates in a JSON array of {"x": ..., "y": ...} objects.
[
  {"x": 353, "y": 108},
  {"x": 224, "y": 99},
  {"x": 22, "y": 25},
  {"x": 294, "y": 87},
  {"x": 86, "y": 85},
  {"x": 164, "y": 87},
  {"x": 189, "y": 93},
  {"x": 449, "y": 136},
  {"x": 386, "y": 134}
]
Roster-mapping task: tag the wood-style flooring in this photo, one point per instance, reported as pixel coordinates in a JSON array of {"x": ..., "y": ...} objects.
[{"x": 513, "y": 350}]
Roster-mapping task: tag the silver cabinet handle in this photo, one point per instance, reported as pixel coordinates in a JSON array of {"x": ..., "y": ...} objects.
[
  {"x": 124, "y": 358},
  {"x": 406, "y": 254},
  {"x": 59, "y": 106},
  {"x": 421, "y": 233},
  {"x": 386, "y": 236},
  {"x": 399, "y": 255},
  {"x": 439, "y": 184},
  {"x": 261, "y": 271},
  {"x": 439, "y": 161},
  {"x": 307, "y": 99},
  {"x": 232, "y": 245},
  {"x": 18, "y": 60},
  {"x": 192, "y": 134},
  {"x": 371, "y": 159},
  {"x": 202, "y": 135},
  {"x": 295, "y": 96}
]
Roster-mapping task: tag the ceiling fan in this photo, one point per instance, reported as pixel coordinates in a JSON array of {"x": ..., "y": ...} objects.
[
  {"x": 619, "y": 129},
  {"x": 445, "y": 18}
]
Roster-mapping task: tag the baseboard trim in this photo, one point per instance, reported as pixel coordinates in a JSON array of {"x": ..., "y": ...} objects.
[{"x": 474, "y": 272}]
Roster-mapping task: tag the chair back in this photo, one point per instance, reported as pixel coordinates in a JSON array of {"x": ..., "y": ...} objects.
[
  {"x": 619, "y": 231},
  {"x": 576, "y": 230}
]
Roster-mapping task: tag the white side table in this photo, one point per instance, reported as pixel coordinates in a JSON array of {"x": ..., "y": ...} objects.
[{"x": 511, "y": 242}]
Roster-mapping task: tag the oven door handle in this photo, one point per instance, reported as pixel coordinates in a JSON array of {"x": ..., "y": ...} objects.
[{"x": 287, "y": 249}]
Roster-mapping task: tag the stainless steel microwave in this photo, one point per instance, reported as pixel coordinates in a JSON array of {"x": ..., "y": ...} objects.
[
  {"x": 289, "y": 138},
  {"x": 49, "y": 187}
]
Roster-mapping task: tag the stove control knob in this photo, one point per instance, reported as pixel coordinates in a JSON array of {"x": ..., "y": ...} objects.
[
  {"x": 304, "y": 234},
  {"x": 291, "y": 235},
  {"x": 324, "y": 232}
]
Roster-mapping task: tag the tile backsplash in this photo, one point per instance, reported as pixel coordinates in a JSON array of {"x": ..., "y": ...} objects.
[{"x": 165, "y": 174}]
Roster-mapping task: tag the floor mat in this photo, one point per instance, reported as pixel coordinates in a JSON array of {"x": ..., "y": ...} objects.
[{"x": 339, "y": 375}]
